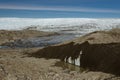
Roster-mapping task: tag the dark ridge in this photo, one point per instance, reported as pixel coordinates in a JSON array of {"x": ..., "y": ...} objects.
[
  {"x": 95, "y": 57},
  {"x": 102, "y": 57},
  {"x": 59, "y": 52}
]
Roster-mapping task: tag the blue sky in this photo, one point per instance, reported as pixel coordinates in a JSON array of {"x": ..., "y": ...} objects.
[{"x": 60, "y": 8}]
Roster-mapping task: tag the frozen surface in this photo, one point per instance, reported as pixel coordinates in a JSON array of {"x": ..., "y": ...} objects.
[{"x": 77, "y": 26}]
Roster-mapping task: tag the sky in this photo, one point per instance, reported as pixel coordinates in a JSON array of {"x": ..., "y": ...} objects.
[{"x": 60, "y": 8}]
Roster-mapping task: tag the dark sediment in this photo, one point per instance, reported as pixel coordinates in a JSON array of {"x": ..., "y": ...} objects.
[
  {"x": 101, "y": 57},
  {"x": 97, "y": 57}
]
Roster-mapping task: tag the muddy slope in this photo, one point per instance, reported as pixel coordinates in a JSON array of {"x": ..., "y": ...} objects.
[{"x": 98, "y": 37}]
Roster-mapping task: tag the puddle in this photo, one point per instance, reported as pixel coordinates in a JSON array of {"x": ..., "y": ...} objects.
[
  {"x": 3, "y": 47},
  {"x": 69, "y": 66}
]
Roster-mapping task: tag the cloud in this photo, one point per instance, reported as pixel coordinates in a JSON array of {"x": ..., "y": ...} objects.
[{"x": 59, "y": 8}]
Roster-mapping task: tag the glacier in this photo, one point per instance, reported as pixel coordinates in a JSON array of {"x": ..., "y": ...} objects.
[{"x": 77, "y": 26}]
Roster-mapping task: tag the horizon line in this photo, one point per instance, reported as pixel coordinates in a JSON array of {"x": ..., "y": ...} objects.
[
  {"x": 59, "y": 8},
  {"x": 58, "y": 18}
]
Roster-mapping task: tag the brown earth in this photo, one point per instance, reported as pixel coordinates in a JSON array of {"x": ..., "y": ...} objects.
[
  {"x": 15, "y": 64},
  {"x": 98, "y": 37}
]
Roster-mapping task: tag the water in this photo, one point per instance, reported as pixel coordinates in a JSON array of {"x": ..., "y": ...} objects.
[
  {"x": 68, "y": 27},
  {"x": 71, "y": 67},
  {"x": 38, "y": 41}
]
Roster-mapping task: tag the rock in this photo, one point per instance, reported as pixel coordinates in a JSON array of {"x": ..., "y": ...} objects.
[
  {"x": 101, "y": 57},
  {"x": 73, "y": 72},
  {"x": 66, "y": 71},
  {"x": 32, "y": 27}
]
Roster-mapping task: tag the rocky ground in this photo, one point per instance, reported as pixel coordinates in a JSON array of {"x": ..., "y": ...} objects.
[{"x": 15, "y": 64}]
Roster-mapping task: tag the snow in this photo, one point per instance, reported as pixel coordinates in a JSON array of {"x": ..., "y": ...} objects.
[{"x": 71, "y": 25}]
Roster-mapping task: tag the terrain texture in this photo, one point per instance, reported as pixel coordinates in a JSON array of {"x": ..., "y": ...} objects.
[{"x": 32, "y": 64}]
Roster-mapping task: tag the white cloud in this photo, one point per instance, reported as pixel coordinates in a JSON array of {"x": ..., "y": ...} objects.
[{"x": 59, "y": 8}]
